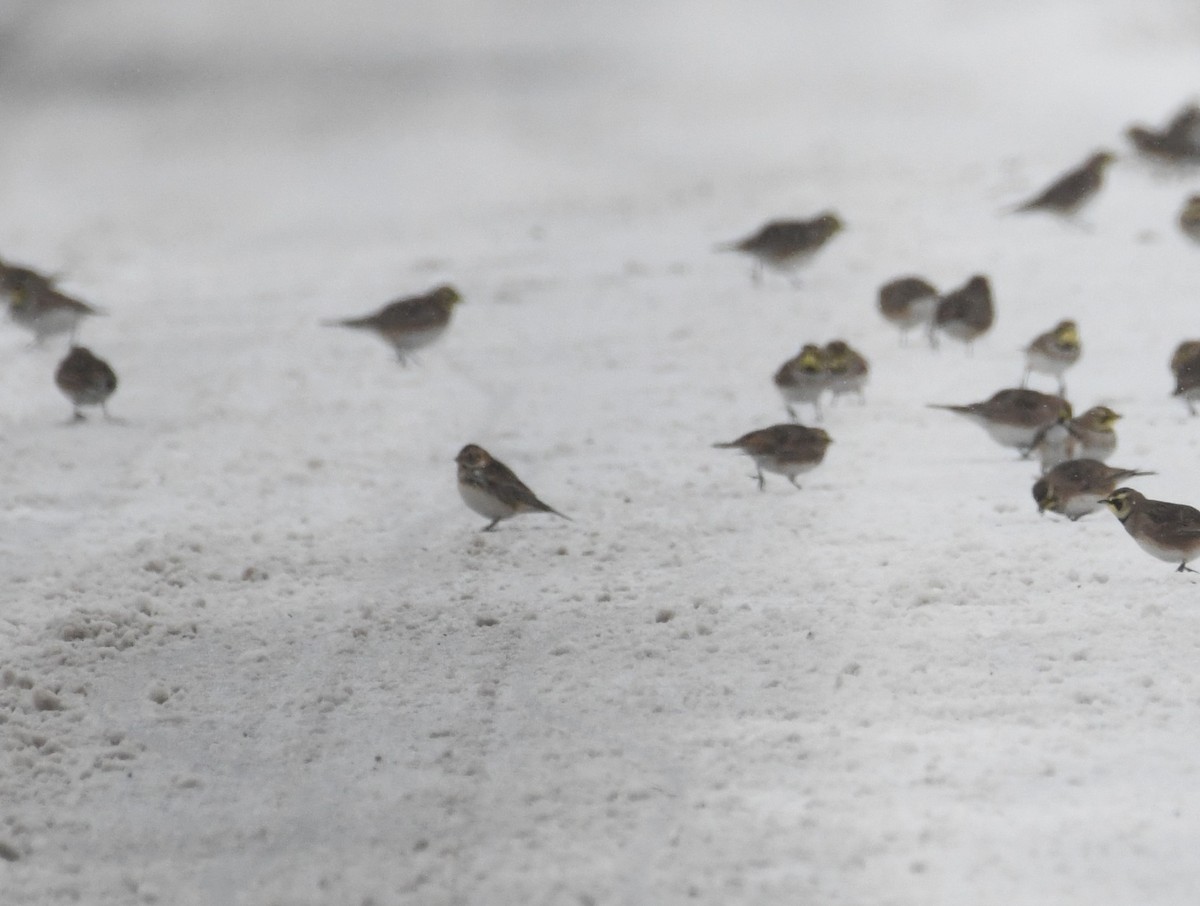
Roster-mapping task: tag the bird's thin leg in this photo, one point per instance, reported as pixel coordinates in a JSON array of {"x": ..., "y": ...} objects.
[
  {"x": 1025, "y": 378},
  {"x": 932, "y": 335},
  {"x": 795, "y": 484},
  {"x": 792, "y": 412},
  {"x": 762, "y": 482},
  {"x": 1184, "y": 568},
  {"x": 491, "y": 525}
]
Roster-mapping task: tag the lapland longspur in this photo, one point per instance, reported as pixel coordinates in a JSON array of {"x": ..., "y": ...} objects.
[
  {"x": 492, "y": 490},
  {"x": 1014, "y": 417},
  {"x": 410, "y": 323},
  {"x": 1074, "y": 189},
  {"x": 1078, "y": 486},
  {"x": 1168, "y": 531},
  {"x": 787, "y": 450},
  {"x": 86, "y": 379},
  {"x": 1052, "y": 353},
  {"x": 787, "y": 244}
]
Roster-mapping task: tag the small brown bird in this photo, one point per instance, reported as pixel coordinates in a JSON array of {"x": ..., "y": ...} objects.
[
  {"x": 1168, "y": 531},
  {"x": 787, "y": 450},
  {"x": 410, "y": 323},
  {"x": 1179, "y": 143},
  {"x": 846, "y": 369},
  {"x": 1070, "y": 192},
  {"x": 1052, "y": 353},
  {"x": 1185, "y": 366},
  {"x": 786, "y": 244},
  {"x": 1014, "y": 417},
  {"x": 802, "y": 379},
  {"x": 908, "y": 302},
  {"x": 490, "y": 488},
  {"x": 1189, "y": 218},
  {"x": 86, "y": 379},
  {"x": 1078, "y": 486},
  {"x": 37, "y": 305},
  {"x": 967, "y": 313}
]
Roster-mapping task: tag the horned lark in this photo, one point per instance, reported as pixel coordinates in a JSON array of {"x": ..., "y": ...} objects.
[
  {"x": 86, "y": 379},
  {"x": 1168, "y": 531},
  {"x": 846, "y": 369},
  {"x": 410, "y": 323},
  {"x": 1179, "y": 143},
  {"x": 1087, "y": 436},
  {"x": 1078, "y": 486},
  {"x": 1052, "y": 353},
  {"x": 1071, "y": 191},
  {"x": 490, "y": 488},
  {"x": 908, "y": 302},
  {"x": 1185, "y": 366},
  {"x": 787, "y": 450},
  {"x": 802, "y": 379},
  {"x": 786, "y": 244},
  {"x": 1189, "y": 218},
  {"x": 36, "y": 304},
  {"x": 1014, "y": 417},
  {"x": 966, "y": 313}
]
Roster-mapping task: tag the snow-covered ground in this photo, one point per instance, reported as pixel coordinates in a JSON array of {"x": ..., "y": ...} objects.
[{"x": 253, "y": 648}]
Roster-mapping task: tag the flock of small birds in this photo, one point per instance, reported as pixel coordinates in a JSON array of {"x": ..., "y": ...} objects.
[{"x": 1072, "y": 449}]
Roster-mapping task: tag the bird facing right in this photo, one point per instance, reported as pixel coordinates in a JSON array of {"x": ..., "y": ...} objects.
[
  {"x": 1014, "y": 417},
  {"x": 86, "y": 379},
  {"x": 1078, "y": 486},
  {"x": 410, "y": 323},
  {"x": 1074, "y": 189},
  {"x": 1168, "y": 531},
  {"x": 492, "y": 490},
  {"x": 787, "y": 450},
  {"x": 787, "y": 244},
  {"x": 1053, "y": 352},
  {"x": 37, "y": 305}
]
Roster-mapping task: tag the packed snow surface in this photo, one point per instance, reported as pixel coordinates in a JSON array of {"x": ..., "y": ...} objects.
[{"x": 253, "y": 647}]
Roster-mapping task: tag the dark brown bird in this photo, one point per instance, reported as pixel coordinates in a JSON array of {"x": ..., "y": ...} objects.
[
  {"x": 1179, "y": 143},
  {"x": 1015, "y": 417},
  {"x": 1185, "y": 366},
  {"x": 1071, "y": 191},
  {"x": 411, "y": 323},
  {"x": 86, "y": 379},
  {"x": 37, "y": 305},
  {"x": 787, "y": 450},
  {"x": 908, "y": 302},
  {"x": 786, "y": 244},
  {"x": 967, "y": 313}
]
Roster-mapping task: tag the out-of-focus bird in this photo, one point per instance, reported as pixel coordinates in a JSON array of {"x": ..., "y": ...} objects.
[
  {"x": 846, "y": 369},
  {"x": 1168, "y": 531},
  {"x": 86, "y": 379},
  {"x": 802, "y": 379},
  {"x": 37, "y": 305},
  {"x": 1185, "y": 366},
  {"x": 1052, "y": 353},
  {"x": 1189, "y": 218},
  {"x": 410, "y": 323},
  {"x": 1088, "y": 436},
  {"x": 1071, "y": 191},
  {"x": 787, "y": 450},
  {"x": 786, "y": 244},
  {"x": 1078, "y": 486},
  {"x": 492, "y": 490},
  {"x": 1178, "y": 143},
  {"x": 1014, "y": 417},
  {"x": 908, "y": 302},
  {"x": 966, "y": 313}
]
